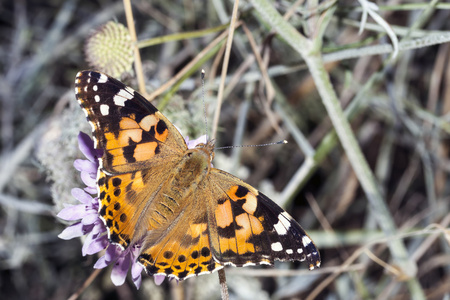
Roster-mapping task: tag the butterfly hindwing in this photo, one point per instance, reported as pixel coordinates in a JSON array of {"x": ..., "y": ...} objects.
[
  {"x": 249, "y": 228},
  {"x": 183, "y": 250}
]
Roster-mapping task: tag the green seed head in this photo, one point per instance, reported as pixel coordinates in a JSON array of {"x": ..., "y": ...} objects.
[{"x": 110, "y": 49}]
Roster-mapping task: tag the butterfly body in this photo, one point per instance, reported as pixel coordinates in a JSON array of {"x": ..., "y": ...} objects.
[{"x": 189, "y": 217}]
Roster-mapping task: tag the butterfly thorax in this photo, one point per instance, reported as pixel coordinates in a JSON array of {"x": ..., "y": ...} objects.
[{"x": 185, "y": 179}]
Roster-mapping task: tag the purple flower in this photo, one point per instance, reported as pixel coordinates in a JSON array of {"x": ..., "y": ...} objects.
[{"x": 193, "y": 143}]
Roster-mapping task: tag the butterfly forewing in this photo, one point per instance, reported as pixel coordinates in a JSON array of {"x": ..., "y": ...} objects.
[
  {"x": 130, "y": 130},
  {"x": 190, "y": 218},
  {"x": 137, "y": 143}
]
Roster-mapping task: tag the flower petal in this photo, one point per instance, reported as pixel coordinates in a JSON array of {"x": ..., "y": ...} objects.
[
  {"x": 101, "y": 263},
  {"x": 120, "y": 270},
  {"x": 90, "y": 218},
  {"x": 94, "y": 244},
  {"x": 136, "y": 269},
  {"x": 85, "y": 165},
  {"x": 91, "y": 190},
  {"x": 81, "y": 196},
  {"x": 137, "y": 281},
  {"x": 73, "y": 231},
  {"x": 86, "y": 146},
  {"x": 87, "y": 179},
  {"x": 99, "y": 227},
  {"x": 159, "y": 278},
  {"x": 191, "y": 144},
  {"x": 72, "y": 213}
]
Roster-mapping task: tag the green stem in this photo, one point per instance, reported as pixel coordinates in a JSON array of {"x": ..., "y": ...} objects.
[{"x": 180, "y": 36}]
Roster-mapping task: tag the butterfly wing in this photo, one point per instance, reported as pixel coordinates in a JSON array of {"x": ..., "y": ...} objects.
[
  {"x": 247, "y": 228},
  {"x": 132, "y": 132},
  {"x": 139, "y": 145},
  {"x": 183, "y": 250}
]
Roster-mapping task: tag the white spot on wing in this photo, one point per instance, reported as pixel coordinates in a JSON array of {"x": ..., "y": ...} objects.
[
  {"x": 299, "y": 250},
  {"x": 95, "y": 88},
  {"x": 125, "y": 93},
  {"x": 289, "y": 251},
  {"x": 104, "y": 109},
  {"x": 97, "y": 98},
  {"x": 280, "y": 229},
  {"x": 286, "y": 215},
  {"x": 129, "y": 90},
  {"x": 283, "y": 224},
  {"x": 119, "y": 100},
  {"x": 276, "y": 246},
  {"x": 103, "y": 78},
  {"x": 306, "y": 241}
]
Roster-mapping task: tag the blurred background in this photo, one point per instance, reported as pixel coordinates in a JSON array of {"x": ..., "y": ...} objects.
[{"x": 398, "y": 109}]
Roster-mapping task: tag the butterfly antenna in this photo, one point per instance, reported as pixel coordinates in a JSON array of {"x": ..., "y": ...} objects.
[
  {"x": 204, "y": 105},
  {"x": 259, "y": 145}
]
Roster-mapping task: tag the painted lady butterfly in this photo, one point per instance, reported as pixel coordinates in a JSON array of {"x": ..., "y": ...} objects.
[{"x": 192, "y": 219}]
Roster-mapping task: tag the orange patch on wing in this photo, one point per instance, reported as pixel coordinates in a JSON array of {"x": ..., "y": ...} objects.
[
  {"x": 250, "y": 204},
  {"x": 111, "y": 141},
  {"x": 256, "y": 225},
  {"x": 145, "y": 151},
  {"x": 134, "y": 134},
  {"x": 148, "y": 121},
  {"x": 163, "y": 136},
  {"x": 242, "y": 235},
  {"x": 197, "y": 229},
  {"x": 232, "y": 193},
  {"x": 128, "y": 123},
  {"x": 228, "y": 244},
  {"x": 118, "y": 158},
  {"x": 138, "y": 182},
  {"x": 224, "y": 214}
]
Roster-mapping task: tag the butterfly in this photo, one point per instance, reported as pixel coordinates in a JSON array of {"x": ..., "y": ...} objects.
[{"x": 188, "y": 217}]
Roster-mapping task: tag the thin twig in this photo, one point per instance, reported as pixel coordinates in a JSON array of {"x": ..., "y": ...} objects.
[
  {"x": 183, "y": 71},
  {"x": 223, "y": 284},
  {"x": 226, "y": 59},
  {"x": 137, "y": 55},
  {"x": 87, "y": 283}
]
